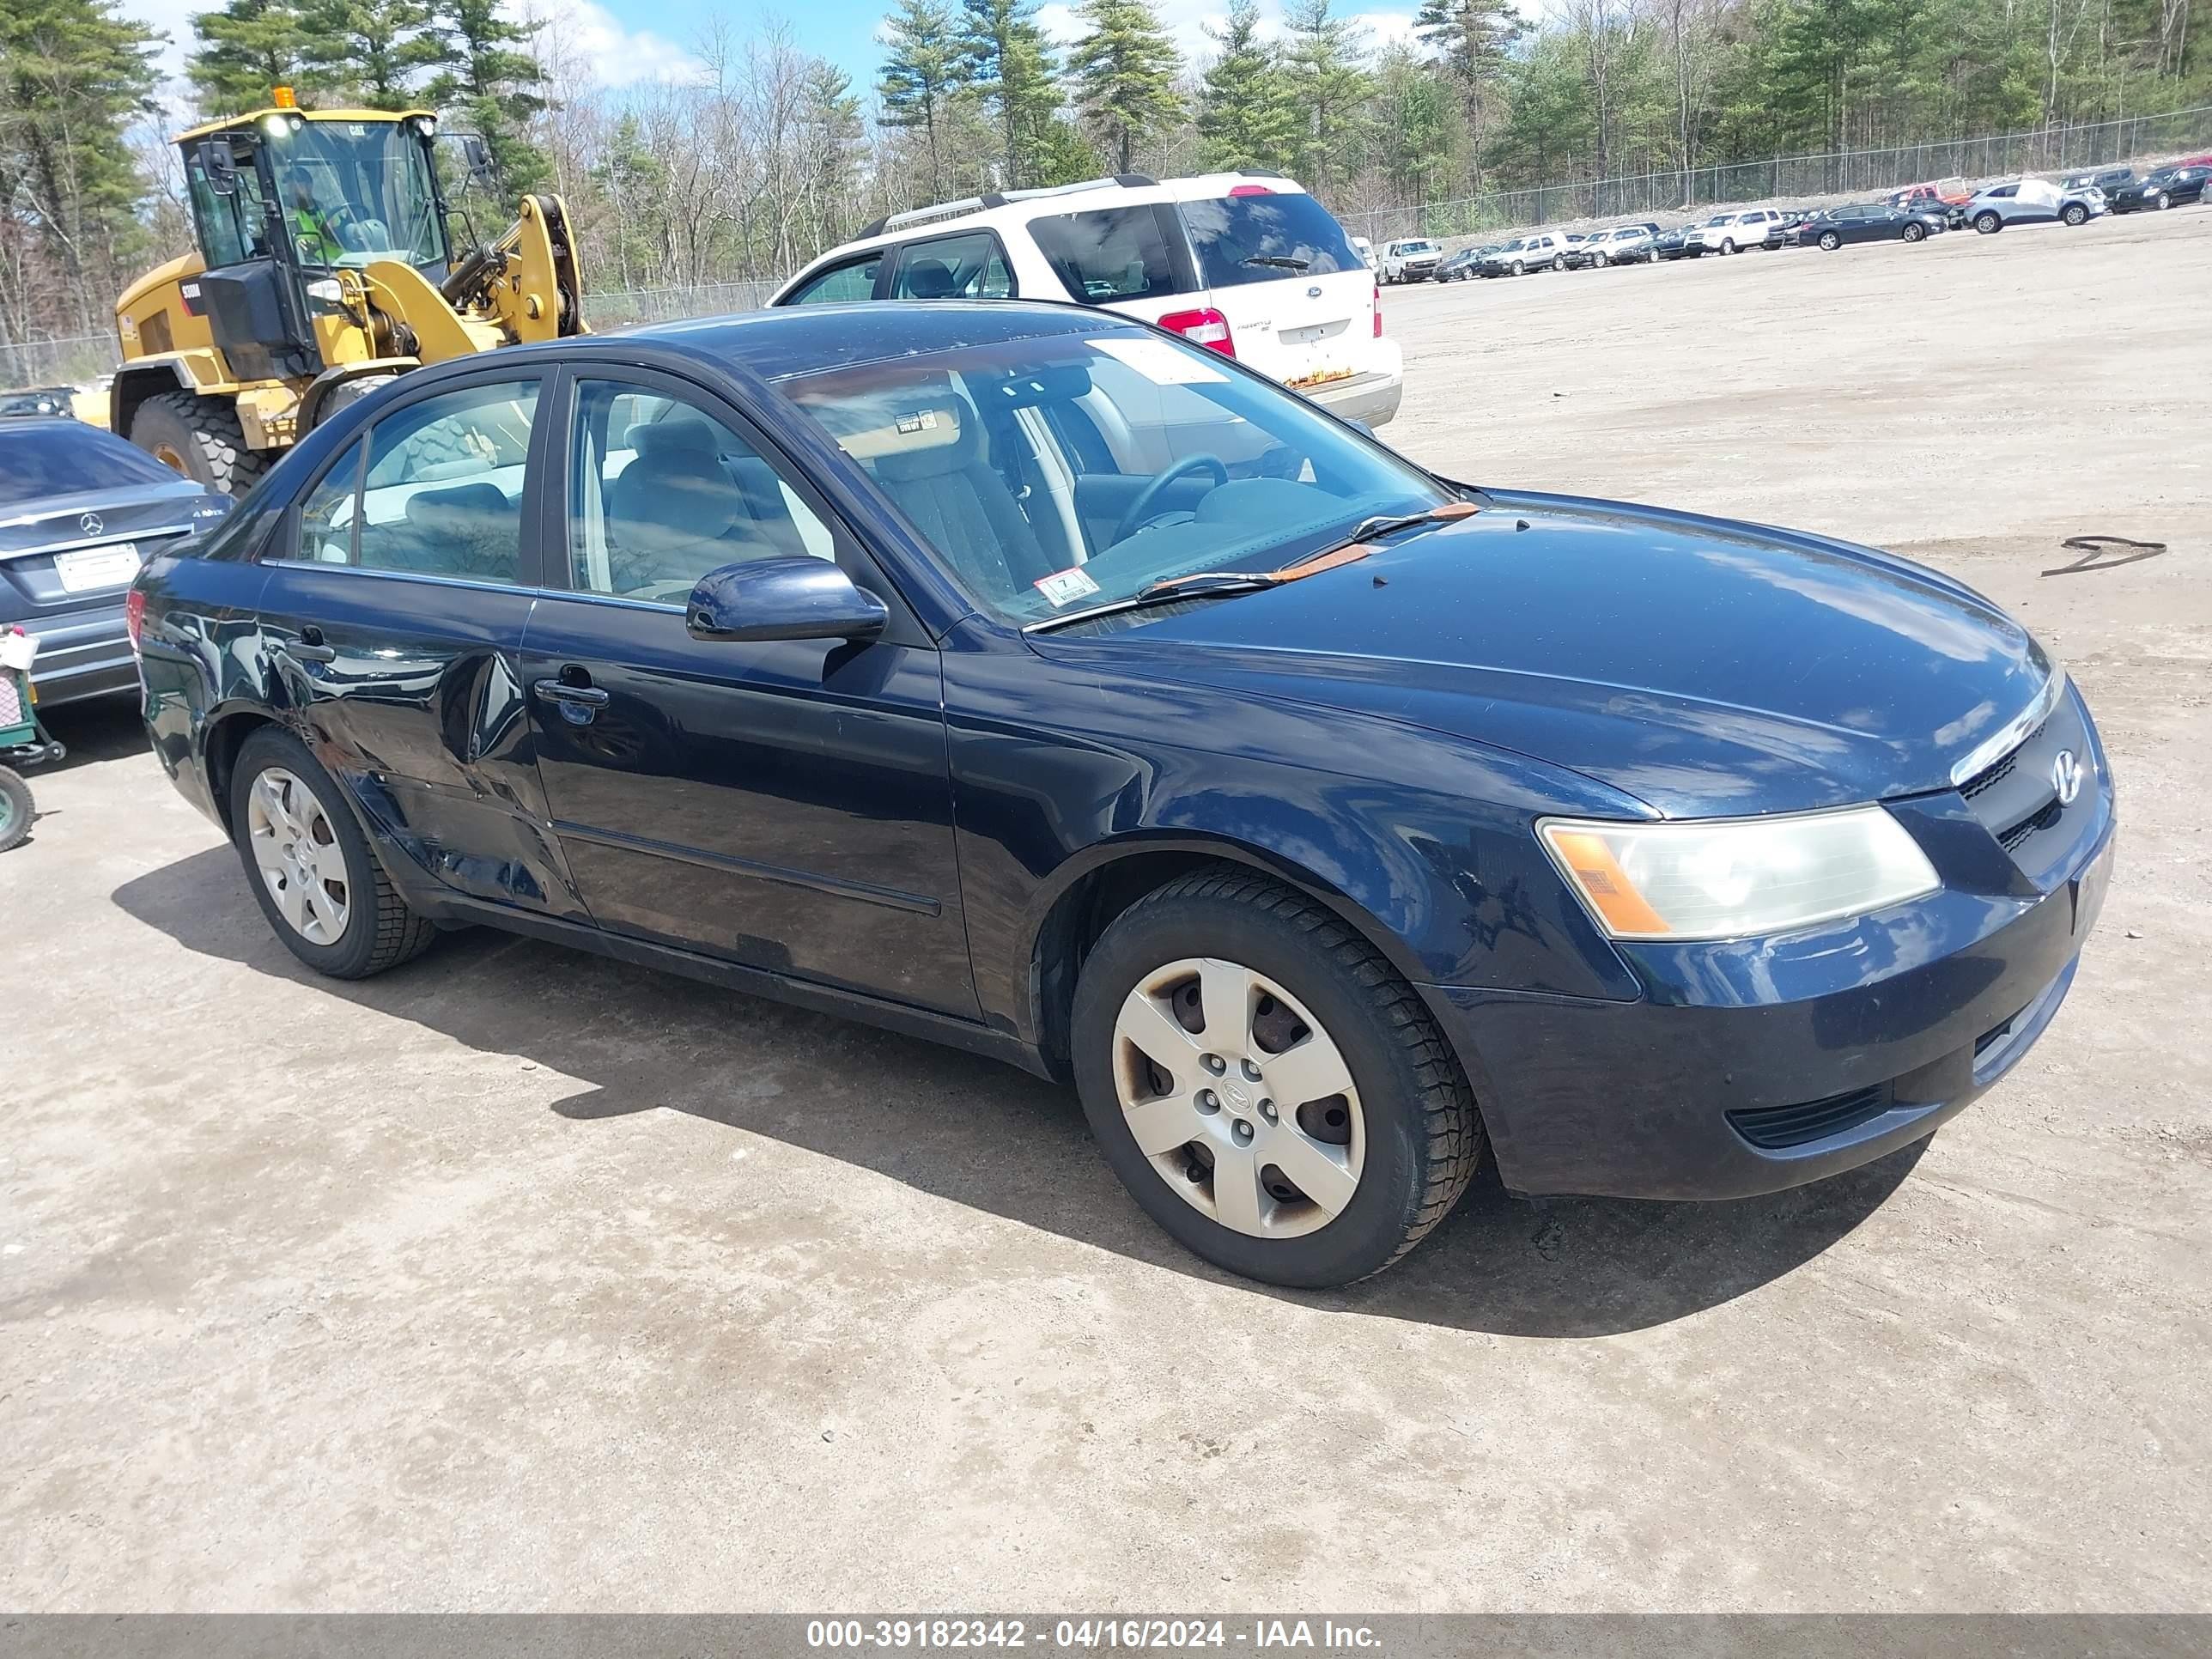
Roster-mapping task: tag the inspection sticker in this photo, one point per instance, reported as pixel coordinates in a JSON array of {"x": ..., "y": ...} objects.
[
  {"x": 1065, "y": 586},
  {"x": 1161, "y": 362}
]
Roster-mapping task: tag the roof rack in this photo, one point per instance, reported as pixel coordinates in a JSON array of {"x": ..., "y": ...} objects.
[{"x": 995, "y": 200}]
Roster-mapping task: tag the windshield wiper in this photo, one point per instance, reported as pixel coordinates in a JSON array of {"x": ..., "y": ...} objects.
[
  {"x": 1280, "y": 261},
  {"x": 1359, "y": 543}
]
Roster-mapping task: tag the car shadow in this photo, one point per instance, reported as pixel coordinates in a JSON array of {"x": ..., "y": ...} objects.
[
  {"x": 97, "y": 729},
  {"x": 986, "y": 1136}
]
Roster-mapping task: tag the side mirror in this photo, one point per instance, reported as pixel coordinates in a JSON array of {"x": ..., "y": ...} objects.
[
  {"x": 782, "y": 598},
  {"x": 477, "y": 154},
  {"x": 221, "y": 167}
]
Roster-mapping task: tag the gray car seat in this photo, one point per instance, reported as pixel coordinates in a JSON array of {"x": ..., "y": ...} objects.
[{"x": 961, "y": 504}]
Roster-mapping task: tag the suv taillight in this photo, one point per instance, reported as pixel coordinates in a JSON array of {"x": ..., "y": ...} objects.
[
  {"x": 1378, "y": 311},
  {"x": 1206, "y": 327},
  {"x": 134, "y": 617}
]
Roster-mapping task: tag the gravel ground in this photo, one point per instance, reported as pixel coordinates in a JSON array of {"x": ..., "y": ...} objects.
[{"x": 518, "y": 1278}]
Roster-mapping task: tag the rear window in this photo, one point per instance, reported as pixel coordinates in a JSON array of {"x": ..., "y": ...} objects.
[
  {"x": 1112, "y": 254},
  {"x": 1261, "y": 239},
  {"x": 67, "y": 458}
]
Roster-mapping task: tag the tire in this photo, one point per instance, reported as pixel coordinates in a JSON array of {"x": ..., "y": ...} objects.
[
  {"x": 375, "y": 929},
  {"x": 2161, "y": 202},
  {"x": 200, "y": 437},
  {"x": 1916, "y": 233},
  {"x": 2075, "y": 213},
  {"x": 1559, "y": 262},
  {"x": 1519, "y": 269},
  {"x": 1830, "y": 241},
  {"x": 1727, "y": 248},
  {"x": 16, "y": 809},
  {"x": 1988, "y": 223},
  {"x": 1410, "y": 1135}
]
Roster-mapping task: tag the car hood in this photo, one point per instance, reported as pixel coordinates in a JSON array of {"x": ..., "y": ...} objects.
[{"x": 1703, "y": 666}]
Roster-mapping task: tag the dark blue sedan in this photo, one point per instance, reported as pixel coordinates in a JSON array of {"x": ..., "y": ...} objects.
[{"x": 1024, "y": 677}]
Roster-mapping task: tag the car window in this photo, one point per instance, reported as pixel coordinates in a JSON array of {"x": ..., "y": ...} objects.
[
  {"x": 964, "y": 267},
  {"x": 1110, "y": 253},
  {"x": 853, "y": 280},
  {"x": 441, "y": 494},
  {"x": 1267, "y": 238},
  {"x": 2006, "y": 190},
  {"x": 954, "y": 438},
  {"x": 37, "y": 460},
  {"x": 661, "y": 491}
]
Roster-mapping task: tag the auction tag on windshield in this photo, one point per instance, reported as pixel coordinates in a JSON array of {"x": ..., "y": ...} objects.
[
  {"x": 1065, "y": 586},
  {"x": 1162, "y": 363}
]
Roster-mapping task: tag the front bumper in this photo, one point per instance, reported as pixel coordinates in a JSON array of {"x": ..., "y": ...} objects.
[
  {"x": 83, "y": 654},
  {"x": 1757, "y": 1064}
]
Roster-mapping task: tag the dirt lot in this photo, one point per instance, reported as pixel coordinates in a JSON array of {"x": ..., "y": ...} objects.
[{"x": 517, "y": 1278}]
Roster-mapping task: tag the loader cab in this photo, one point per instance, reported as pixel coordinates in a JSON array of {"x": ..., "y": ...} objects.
[{"x": 283, "y": 199}]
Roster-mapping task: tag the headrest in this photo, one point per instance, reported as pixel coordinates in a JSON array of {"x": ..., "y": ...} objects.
[
  {"x": 683, "y": 435},
  {"x": 924, "y": 442},
  {"x": 928, "y": 279},
  {"x": 676, "y": 491},
  {"x": 447, "y": 510}
]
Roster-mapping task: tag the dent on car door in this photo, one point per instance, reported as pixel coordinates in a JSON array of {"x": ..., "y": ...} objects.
[
  {"x": 392, "y": 624},
  {"x": 783, "y": 804}
]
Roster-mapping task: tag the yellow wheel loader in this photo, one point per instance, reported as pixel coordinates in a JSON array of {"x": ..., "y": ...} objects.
[{"x": 327, "y": 264}]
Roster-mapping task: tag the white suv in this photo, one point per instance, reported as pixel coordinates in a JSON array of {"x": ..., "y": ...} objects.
[
  {"x": 1246, "y": 263},
  {"x": 1732, "y": 232}
]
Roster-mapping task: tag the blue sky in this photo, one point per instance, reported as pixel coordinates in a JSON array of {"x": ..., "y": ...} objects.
[{"x": 622, "y": 42}]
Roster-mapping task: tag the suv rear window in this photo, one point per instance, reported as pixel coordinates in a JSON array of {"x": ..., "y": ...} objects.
[
  {"x": 1265, "y": 239},
  {"x": 1111, "y": 254}
]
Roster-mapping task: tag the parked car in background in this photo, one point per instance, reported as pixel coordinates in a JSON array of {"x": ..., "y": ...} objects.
[
  {"x": 1365, "y": 250},
  {"x": 1548, "y": 250},
  {"x": 1247, "y": 264},
  {"x": 1786, "y": 232},
  {"x": 38, "y": 400},
  {"x": 1458, "y": 267},
  {"x": 2159, "y": 190},
  {"x": 1733, "y": 233},
  {"x": 1321, "y": 821},
  {"x": 1876, "y": 222},
  {"x": 2031, "y": 202},
  {"x": 1499, "y": 261},
  {"x": 2108, "y": 179},
  {"x": 1947, "y": 196},
  {"x": 80, "y": 510},
  {"x": 1620, "y": 245},
  {"x": 1411, "y": 259}
]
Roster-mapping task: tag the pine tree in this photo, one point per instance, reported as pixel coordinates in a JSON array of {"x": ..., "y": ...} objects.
[
  {"x": 490, "y": 79},
  {"x": 1473, "y": 41},
  {"x": 926, "y": 68},
  {"x": 1327, "y": 68},
  {"x": 1013, "y": 71},
  {"x": 247, "y": 49},
  {"x": 1245, "y": 115},
  {"x": 373, "y": 51},
  {"x": 74, "y": 74},
  {"x": 1125, "y": 71}
]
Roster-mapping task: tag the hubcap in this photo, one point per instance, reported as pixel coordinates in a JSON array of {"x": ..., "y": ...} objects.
[
  {"x": 296, "y": 849},
  {"x": 1243, "y": 1103}
]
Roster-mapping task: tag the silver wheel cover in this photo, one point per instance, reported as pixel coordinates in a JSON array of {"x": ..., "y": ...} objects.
[
  {"x": 295, "y": 848},
  {"x": 1251, "y": 1117}
]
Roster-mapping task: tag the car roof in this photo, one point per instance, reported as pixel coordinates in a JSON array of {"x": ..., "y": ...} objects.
[{"x": 798, "y": 339}]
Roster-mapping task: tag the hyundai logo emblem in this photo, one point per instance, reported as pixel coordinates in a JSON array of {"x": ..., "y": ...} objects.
[
  {"x": 91, "y": 524},
  {"x": 2066, "y": 777}
]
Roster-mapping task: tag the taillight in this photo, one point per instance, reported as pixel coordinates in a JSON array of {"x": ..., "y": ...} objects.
[
  {"x": 134, "y": 617},
  {"x": 1206, "y": 327},
  {"x": 1378, "y": 311}
]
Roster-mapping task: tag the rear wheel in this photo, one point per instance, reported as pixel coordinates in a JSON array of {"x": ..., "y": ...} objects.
[
  {"x": 1269, "y": 1088},
  {"x": 16, "y": 810},
  {"x": 312, "y": 871},
  {"x": 200, "y": 437},
  {"x": 1830, "y": 241},
  {"x": 2075, "y": 213}
]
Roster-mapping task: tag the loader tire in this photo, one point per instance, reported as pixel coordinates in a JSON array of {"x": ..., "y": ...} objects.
[{"x": 201, "y": 438}]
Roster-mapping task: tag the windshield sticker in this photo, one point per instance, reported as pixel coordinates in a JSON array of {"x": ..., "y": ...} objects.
[
  {"x": 1161, "y": 363},
  {"x": 1065, "y": 587}
]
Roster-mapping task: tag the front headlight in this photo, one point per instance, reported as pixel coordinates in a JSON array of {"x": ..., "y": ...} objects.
[{"x": 1727, "y": 879}]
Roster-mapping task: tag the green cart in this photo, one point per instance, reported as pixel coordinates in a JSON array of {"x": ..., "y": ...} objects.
[{"x": 23, "y": 742}]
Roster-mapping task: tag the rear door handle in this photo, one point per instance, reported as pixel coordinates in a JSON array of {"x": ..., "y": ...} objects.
[{"x": 587, "y": 697}]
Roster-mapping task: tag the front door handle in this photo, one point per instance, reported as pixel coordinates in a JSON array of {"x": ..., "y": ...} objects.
[{"x": 586, "y": 696}]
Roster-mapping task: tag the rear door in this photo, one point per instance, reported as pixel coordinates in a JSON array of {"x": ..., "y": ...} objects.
[
  {"x": 1299, "y": 300},
  {"x": 391, "y": 628}
]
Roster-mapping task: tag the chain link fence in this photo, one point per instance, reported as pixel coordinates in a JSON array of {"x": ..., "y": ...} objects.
[{"x": 1784, "y": 178}]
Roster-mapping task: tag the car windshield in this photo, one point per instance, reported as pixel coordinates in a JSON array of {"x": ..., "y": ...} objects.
[
  {"x": 357, "y": 190},
  {"x": 1051, "y": 474},
  {"x": 70, "y": 458}
]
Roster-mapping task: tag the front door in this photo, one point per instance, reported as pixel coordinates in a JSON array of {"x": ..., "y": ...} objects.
[
  {"x": 784, "y": 805},
  {"x": 392, "y": 619}
]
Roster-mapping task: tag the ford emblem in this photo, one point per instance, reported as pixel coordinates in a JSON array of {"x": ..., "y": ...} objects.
[
  {"x": 1313, "y": 293},
  {"x": 2066, "y": 777}
]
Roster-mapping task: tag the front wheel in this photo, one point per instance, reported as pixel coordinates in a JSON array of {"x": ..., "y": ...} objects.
[
  {"x": 1988, "y": 224},
  {"x": 2161, "y": 202},
  {"x": 1916, "y": 233},
  {"x": 2075, "y": 213},
  {"x": 1520, "y": 270},
  {"x": 312, "y": 869},
  {"x": 1276, "y": 1098},
  {"x": 200, "y": 436}
]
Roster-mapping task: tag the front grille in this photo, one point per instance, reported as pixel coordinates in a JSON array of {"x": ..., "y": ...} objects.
[
  {"x": 2013, "y": 839},
  {"x": 2017, "y": 801},
  {"x": 1778, "y": 1126}
]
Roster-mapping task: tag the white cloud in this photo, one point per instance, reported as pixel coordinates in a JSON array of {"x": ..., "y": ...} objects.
[{"x": 1189, "y": 21}]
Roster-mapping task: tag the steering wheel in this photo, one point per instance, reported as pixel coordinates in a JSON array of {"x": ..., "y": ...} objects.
[{"x": 1149, "y": 497}]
